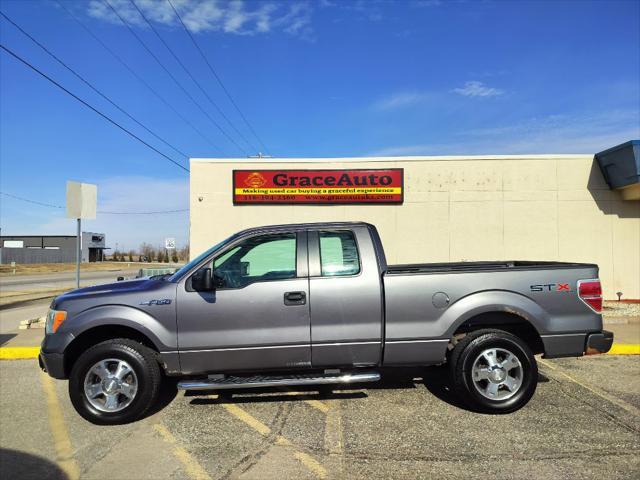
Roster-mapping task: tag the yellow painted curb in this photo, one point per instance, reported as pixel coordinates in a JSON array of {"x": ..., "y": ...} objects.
[
  {"x": 625, "y": 349},
  {"x": 17, "y": 353}
]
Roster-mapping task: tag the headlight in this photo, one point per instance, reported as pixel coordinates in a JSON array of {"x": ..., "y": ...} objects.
[{"x": 54, "y": 320}]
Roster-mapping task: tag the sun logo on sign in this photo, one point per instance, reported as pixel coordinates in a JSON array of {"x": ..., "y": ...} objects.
[{"x": 255, "y": 180}]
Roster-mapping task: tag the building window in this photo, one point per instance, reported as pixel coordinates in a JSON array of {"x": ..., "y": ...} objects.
[
  {"x": 338, "y": 254},
  {"x": 13, "y": 244}
]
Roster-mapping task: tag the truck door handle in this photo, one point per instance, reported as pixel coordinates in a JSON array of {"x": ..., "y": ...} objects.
[{"x": 295, "y": 298}]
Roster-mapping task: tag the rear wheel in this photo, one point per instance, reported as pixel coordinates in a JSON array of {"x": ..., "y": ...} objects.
[
  {"x": 114, "y": 382},
  {"x": 493, "y": 371}
]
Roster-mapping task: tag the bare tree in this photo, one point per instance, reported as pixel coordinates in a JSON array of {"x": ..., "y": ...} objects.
[
  {"x": 148, "y": 251},
  {"x": 183, "y": 253}
]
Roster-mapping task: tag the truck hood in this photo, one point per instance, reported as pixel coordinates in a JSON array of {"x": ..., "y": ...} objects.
[{"x": 123, "y": 287}]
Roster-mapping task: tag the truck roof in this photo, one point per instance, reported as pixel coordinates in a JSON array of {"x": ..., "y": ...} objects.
[{"x": 300, "y": 226}]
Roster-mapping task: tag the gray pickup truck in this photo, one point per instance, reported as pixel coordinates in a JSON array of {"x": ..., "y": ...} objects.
[{"x": 318, "y": 304}]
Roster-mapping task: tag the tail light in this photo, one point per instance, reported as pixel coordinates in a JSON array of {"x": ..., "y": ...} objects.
[{"x": 590, "y": 292}]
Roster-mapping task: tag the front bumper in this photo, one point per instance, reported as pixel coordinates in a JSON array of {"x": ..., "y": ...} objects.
[
  {"x": 53, "y": 364},
  {"x": 599, "y": 342},
  {"x": 51, "y": 358}
]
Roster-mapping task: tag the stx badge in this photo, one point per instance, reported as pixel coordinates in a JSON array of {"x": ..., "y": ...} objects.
[{"x": 551, "y": 287}]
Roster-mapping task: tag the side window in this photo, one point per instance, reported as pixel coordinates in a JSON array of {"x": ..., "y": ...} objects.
[
  {"x": 257, "y": 259},
  {"x": 338, "y": 254}
]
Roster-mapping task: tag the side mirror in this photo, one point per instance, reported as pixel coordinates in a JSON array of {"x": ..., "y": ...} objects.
[{"x": 202, "y": 280}]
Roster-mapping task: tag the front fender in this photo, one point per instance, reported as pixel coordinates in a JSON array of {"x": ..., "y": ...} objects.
[{"x": 163, "y": 336}]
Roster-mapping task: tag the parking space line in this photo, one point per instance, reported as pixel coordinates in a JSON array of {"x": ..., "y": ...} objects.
[
  {"x": 602, "y": 394},
  {"x": 308, "y": 461},
  {"x": 61, "y": 440},
  {"x": 333, "y": 437},
  {"x": 191, "y": 466},
  {"x": 317, "y": 404}
]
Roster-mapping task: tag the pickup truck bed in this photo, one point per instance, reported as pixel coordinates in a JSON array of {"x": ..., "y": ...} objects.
[{"x": 481, "y": 266}]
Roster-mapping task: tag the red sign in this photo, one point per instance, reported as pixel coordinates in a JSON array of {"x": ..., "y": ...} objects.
[{"x": 318, "y": 186}]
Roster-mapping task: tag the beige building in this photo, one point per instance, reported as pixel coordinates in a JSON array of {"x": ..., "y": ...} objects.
[{"x": 524, "y": 207}]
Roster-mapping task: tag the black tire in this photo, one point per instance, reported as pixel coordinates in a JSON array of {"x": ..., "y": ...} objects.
[
  {"x": 147, "y": 370},
  {"x": 465, "y": 353}
]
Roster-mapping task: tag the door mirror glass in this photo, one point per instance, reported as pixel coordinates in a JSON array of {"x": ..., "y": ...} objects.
[{"x": 202, "y": 281}]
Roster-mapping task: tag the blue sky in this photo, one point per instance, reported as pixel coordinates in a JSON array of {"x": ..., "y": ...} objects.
[{"x": 314, "y": 78}]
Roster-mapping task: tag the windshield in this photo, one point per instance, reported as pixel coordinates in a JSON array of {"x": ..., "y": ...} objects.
[{"x": 182, "y": 271}]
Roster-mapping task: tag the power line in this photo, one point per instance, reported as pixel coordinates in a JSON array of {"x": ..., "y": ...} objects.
[
  {"x": 188, "y": 72},
  {"x": 77, "y": 75},
  {"x": 99, "y": 211},
  {"x": 215, "y": 74},
  {"x": 113, "y": 122},
  {"x": 132, "y": 31},
  {"x": 42, "y": 204},
  {"x": 138, "y": 77}
]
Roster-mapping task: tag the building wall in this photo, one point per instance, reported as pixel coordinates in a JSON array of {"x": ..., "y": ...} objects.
[
  {"x": 49, "y": 248},
  {"x": 538, "y": 207},
  {"x": 35, "y": 255}
]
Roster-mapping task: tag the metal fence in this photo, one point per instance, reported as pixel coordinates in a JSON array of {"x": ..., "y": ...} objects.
[{"x": 35, "y": 255}]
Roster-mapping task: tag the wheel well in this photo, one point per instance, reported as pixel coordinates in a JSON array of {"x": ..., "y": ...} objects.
[
  {"x": 509, "y": 322},
  {"x": 99, "y": 334}
]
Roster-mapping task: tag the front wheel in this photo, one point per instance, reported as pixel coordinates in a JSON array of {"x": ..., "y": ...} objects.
[
  {"x": 493, "y": 371},
  {"x": 114, "y": 382}
]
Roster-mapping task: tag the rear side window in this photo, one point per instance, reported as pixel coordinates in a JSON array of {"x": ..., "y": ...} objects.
[{"x": 338, "y": 254}]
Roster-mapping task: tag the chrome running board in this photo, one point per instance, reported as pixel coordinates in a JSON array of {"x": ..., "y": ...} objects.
[{"x": 277, "y": 381}]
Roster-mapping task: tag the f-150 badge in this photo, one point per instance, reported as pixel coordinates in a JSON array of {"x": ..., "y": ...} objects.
[{"x": 164, "y": 301}]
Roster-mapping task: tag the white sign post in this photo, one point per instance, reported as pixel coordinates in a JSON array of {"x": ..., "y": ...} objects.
[{"x": 82, "y": 201}]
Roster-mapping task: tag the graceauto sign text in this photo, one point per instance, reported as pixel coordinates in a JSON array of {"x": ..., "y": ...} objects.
[{"x": 381, "y": 186}]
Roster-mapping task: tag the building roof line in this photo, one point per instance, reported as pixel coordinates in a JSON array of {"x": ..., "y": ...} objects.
[{"x": 415, "y": 158}]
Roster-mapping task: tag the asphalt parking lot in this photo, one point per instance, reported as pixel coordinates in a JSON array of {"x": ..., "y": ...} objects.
[{"x": 584, "y": 421}]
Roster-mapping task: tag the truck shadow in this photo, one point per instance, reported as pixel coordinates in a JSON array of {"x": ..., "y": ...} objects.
[{"x": 16, "y": 464}]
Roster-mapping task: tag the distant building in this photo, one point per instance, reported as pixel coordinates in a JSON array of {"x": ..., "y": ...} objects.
[{"x": 24, "y": 249}]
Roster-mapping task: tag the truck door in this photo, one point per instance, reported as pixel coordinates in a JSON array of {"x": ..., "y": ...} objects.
[
  {"x": 346, "y": 298},
  {"x": 258, "y": 316}
]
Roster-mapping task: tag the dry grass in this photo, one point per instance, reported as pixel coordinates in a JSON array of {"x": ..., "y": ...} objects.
[{"x": 6, "y": 270}]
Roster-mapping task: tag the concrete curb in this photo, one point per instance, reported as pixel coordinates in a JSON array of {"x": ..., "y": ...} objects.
[
  {"x": 20, "y": 353},
  {"x": 26, "y": 301}
]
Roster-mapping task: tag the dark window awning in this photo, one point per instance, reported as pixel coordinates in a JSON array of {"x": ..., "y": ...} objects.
[{"x": 620, "y": 166}]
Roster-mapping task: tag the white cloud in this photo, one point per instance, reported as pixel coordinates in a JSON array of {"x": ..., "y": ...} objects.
[
  {"x": 401, "y": 100},
  {"x": 233, "y": 17},
  {"x": 578, "y": 133},
  {"x": 297, "y": 20},
  {"x": 475, "y": 88}
]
